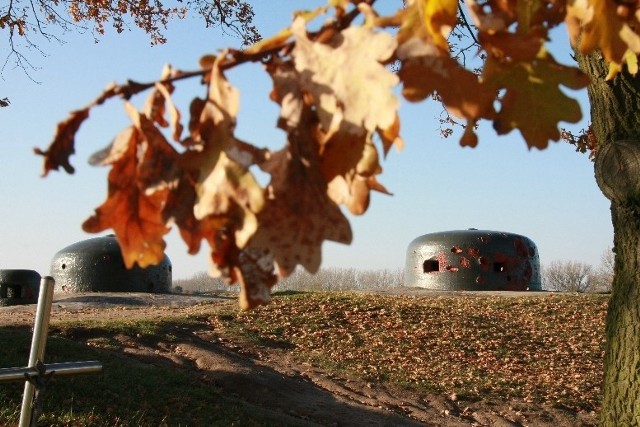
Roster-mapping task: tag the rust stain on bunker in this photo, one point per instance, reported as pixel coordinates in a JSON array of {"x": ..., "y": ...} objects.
[{"x": 473, "y": 260}]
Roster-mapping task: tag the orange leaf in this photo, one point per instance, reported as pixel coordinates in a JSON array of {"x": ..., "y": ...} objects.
[
  {"x": 596, "y": 24},
  {"x": 135, "y": 217},
  {"x": 390, "y": 136},
  {"x": 62, "y": 146},
  {"x": 469, "y": 137}
]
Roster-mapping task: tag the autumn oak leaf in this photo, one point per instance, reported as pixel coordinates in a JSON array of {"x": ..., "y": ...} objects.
[
  {"x": 135, "y": 216},
  {"x": 528, "y": 89},
  {"x": 347, "y": 78},
  {"x": 350, "y": 167},
  {"x": 427, "y": 69},
  {"x": 286, "y": 92},
  {"x": 298, "y": 215},
  {"x": 428, "y": 20},
  {"x": 255, "y": 271},
  {"x": 595, "y": 24},
  {"x": 223, "y": 181},
  {"x": 62, "y": 146},
  {"x": 227, "y": 184}
]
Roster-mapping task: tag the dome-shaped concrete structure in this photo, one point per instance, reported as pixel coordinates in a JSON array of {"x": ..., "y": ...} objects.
[
  {"x": 473, "y": 260},
  {"x": 96, "y": 265},
  {"x": 18, "y": 287}
]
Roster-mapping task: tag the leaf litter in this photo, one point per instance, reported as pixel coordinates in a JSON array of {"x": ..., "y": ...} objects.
[{"x": 545, "y": 350}]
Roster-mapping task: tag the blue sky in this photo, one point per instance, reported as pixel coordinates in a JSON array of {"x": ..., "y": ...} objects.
[{"x": 549, "y": 196}]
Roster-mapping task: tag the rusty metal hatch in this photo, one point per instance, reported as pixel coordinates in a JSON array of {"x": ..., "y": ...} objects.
[
  {"x": 473, "y": 260},
  {"x": 96, "y": 265}
]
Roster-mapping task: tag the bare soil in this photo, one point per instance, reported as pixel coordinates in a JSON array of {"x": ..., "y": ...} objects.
[{"x": 269, "y": 377}]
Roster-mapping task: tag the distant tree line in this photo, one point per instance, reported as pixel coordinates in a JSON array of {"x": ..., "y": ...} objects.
[
  {"x": 576, "y": 276},
  {"x": 327, "y": 279},
  {"x": 557, "y": 276}
]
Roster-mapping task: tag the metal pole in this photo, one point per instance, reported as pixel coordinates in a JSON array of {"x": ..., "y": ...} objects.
[
  {"x": 38, "y": 344},
  {"x": 61, "y": 368}
]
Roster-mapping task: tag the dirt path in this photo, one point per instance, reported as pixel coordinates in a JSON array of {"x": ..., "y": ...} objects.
[{"x": 269, "y": 377}]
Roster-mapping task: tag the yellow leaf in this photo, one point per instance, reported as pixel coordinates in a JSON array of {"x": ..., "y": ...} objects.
[
  {"x": 270, "y": 43},
  {"x": 595, "y": 24},
  {"x": 632, "y": 62},
  {"x": 339, "y": 3},
  {"x": 430, "y": 20}
]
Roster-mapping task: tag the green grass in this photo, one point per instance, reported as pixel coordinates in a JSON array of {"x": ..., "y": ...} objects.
[{"x": 126, "y": 393}]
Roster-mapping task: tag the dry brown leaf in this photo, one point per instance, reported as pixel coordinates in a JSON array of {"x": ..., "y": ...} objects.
[
  {"x": 427, "y": 69},
  {"x": 346, "y": 77},
  {"x": 62, "y": 146},
  {"x": 298, "y": 215},
  {"x": 135, "y": 217}
]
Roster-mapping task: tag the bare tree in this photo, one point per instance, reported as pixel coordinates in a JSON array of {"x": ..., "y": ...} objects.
[
  {"x": 602, "y": 278},
  {"x": 26, "y": 24},
  {"x": 201, "y": 282},
  {"x": 568, "y": 276}
]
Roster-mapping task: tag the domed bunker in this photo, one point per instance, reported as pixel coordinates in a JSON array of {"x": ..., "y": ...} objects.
[
  {"x": 473, "y": 260},
  {"x": 19, "y": 287},
  {"x": 96, "y": 265}
]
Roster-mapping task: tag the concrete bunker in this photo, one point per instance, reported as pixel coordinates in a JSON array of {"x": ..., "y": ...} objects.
[
  {"x": 473, "y": 260},
  {"x": 19, "y": 287},
  {"x": 96, "y": 265}
]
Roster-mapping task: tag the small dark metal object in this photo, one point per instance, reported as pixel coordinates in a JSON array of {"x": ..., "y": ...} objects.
[
  {"x": 19, "y": 287},
  {"x": 473, "y": 260},
  {"x": 40, "y": 381},
  {"x": 96, "y": 265}
]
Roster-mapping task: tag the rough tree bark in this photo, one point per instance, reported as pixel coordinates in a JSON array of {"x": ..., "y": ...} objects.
[{"x": 615, "y": 116}]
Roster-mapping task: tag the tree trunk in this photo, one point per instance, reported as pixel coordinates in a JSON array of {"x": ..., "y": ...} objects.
[{"x": 615, "y": 116}]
